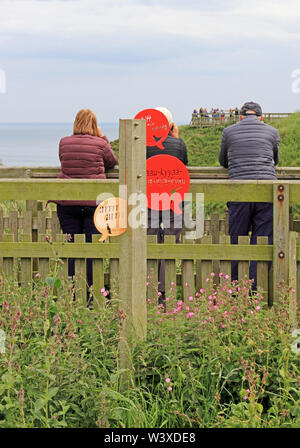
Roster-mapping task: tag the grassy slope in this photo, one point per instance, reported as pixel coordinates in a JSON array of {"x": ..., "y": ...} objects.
[{"x": 203, "y": 144}]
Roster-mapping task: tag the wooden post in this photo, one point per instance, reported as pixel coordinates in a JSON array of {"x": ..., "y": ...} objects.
[
  {"x": 280, "y": 237},
  {"x": 133, "y": 243}
]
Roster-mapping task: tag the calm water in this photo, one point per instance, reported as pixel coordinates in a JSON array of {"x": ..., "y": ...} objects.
[{"x": 36, "y": 144}]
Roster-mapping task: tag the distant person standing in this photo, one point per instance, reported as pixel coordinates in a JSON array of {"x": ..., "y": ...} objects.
[
  {"x": 250, "y": 150},
  {"x": 84, "y": 155}
]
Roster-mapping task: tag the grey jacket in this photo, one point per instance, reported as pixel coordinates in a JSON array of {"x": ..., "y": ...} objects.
[{"x": 250, "y": 149}]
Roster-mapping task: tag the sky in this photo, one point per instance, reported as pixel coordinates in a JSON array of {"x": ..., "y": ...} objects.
[{"x": 118, "y": 57}]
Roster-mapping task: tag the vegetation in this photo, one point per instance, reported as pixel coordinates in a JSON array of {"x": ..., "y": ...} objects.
[{"x": 219, "y": 360}]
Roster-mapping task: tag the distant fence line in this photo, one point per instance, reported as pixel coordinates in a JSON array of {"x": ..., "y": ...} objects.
[{"x": 212, "y": 120}]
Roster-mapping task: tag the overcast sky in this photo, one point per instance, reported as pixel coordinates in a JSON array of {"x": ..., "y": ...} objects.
[{"x": 118, "y": 57}]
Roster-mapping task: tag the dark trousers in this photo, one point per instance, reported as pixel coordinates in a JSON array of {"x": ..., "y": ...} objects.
[
  {"x": 77, "y": 219},
  {"x": 246, "y": 216},
  {"x": 163, "y": 223}
]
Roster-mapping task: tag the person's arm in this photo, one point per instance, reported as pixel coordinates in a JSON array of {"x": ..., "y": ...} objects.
[
  {"x": 223, "y": 156},
  {"x": 184, "y": 150},
  {"x": 276, "y": 148},
  {"x": 109, "y": 157}
]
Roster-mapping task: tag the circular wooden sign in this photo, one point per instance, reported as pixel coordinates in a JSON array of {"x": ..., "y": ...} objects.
[{"x": 110, "y": 217}]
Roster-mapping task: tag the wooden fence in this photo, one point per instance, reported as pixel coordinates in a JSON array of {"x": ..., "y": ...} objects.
[
  {"x": 128, "y": 259},
  {"x": 210, "y": 120}
]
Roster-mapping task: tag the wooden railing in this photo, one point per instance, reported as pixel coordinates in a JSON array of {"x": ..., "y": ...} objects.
[{"x": 212, "y": 120}]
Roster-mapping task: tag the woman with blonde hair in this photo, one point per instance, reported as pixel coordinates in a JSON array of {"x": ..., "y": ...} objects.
[{"x": 84, "y": 155}]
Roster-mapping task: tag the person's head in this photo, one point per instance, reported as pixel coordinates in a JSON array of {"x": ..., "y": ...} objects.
[
  {"x": 85, "y": 123},
  {"x": 167, "y": 114},
  {"x": 251, "y": 108}
]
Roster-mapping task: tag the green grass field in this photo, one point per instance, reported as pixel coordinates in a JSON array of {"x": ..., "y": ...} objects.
[{"x": 203, "y": 143}]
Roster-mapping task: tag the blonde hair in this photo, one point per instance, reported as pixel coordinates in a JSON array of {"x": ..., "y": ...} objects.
[{"x": 85, "y": 123}]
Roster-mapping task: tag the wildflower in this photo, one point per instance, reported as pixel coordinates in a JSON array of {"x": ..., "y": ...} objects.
[
  {"x": 37, "y": 275},
  {"x": 79, "y": 321},
  {"x": 148, "y": 300},
  {"x": 147, "y": 283},
  {"x": 169, "y": 388},
  {"x": 191, "y": 298},
  {"x": 230, "y": 291},
  {"x": 216, "y": 307},
  {"x": 168, "y": 380},
  {"x": 158, "y": 312},
  {"x": 187, "y": 308},
  {"x": 167, "y": 299},
  {"x": 223, "y": 326},
  {"x": 207, "y": 280},
  {"x": 221, "y": 274},
  {"x": 246, "y": 397},
  {"x": 159, "y": 293},
  {"x": 47, "y": 238},
  {"x": 243, "y": 320},
  {"x": 224, "y": 288},
  {"x": 167, "y": 313},
  {"x": 248, "y": 390},
  {"x": 257, "y": 308},
  {"x": 212, "y": 274},
  {"x": 227, "y": 276},
  {"x": 172, "y": 284},
  {"x": 190, "y": 314},
  {"x": 201, "y": 291},
  {"x": 54, "y": 416}
]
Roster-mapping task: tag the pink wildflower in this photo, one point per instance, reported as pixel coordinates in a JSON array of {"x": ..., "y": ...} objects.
[
  {"x": 246, "y": 397},
  {"x": 230, "y": 291},
  {"x": 37, "y": 275},
  {"x": 221, "y": 274},
  {"x": 207, "y": 280},
  {"x": 169, "y": 388},
  {"x": 168, "y": 380},
  {"x": 257, "y": 308},
  {"x": 227, "y": 276},
  {"x": 212, "y": 274},
  {"x": 191, "y": 298}
]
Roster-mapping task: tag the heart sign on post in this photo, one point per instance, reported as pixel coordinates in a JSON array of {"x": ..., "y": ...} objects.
[
  {"x": 168, "y": 181},
  {"x": 157, "y": 126},
  {"x": 110, "y": 217}
]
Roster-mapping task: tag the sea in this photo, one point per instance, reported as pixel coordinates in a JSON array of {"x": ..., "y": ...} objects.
[{"x": 36, "y": 144}]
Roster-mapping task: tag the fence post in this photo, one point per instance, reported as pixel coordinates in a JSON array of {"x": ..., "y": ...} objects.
[
  {"x": 280, "y": 237},
  {"x": 133, "y": 243}
]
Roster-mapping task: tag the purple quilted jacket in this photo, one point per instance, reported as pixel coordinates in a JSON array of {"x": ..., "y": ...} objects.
[{"x": 84, "y": 156}]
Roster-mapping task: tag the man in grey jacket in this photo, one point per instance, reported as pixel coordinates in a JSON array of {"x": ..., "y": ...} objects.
[{"x": 250, "y": 150}]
